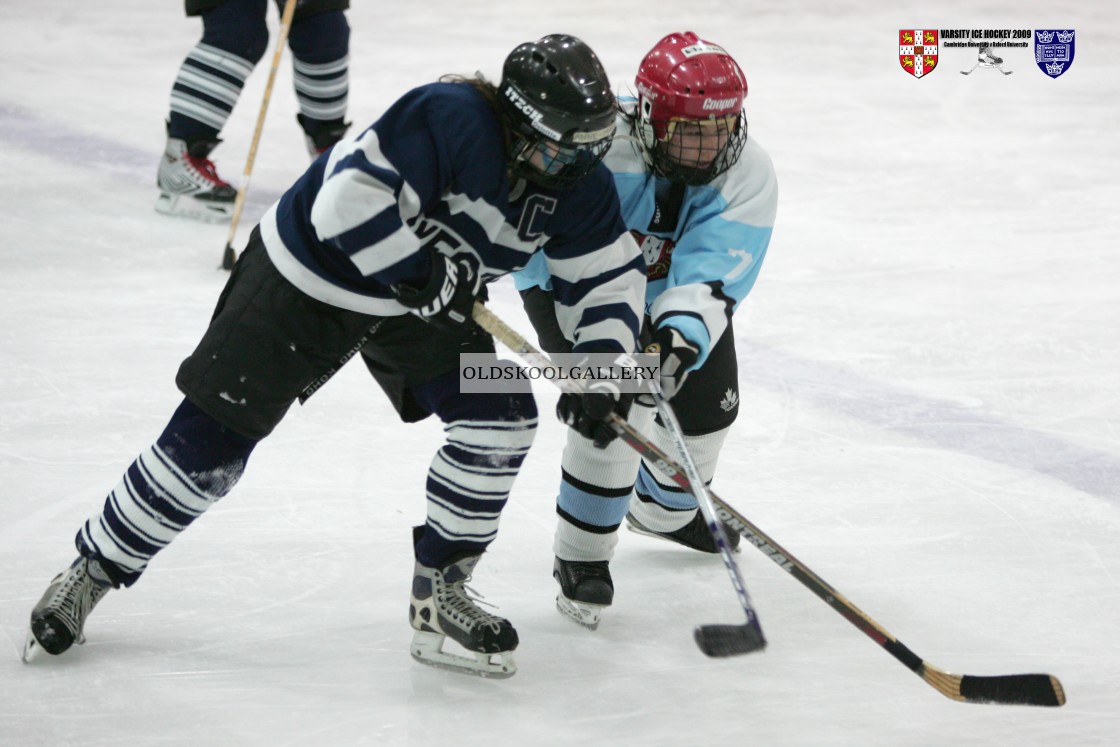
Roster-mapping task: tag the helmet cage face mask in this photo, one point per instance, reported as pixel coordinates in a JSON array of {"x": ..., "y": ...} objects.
[
  {"x": 541, "y": 153},
  {"x": 689, "y": 150},
  {"x": 690, "y": 119}
]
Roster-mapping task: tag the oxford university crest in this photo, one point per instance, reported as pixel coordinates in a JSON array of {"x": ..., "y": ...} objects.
[{"x": 1053, "y": 50}]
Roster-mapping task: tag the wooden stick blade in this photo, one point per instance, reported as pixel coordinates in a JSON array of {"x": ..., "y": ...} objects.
[{"x": 229, "y": 257}]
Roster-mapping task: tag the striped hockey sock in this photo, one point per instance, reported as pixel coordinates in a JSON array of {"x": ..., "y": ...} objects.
[
  {"x": 206, "y": 90},
  {"x": 468, "y": 484},
  {"x": 194, "y": 463}
]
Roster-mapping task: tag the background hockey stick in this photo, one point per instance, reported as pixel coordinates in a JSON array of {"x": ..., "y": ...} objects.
[
  {"x": 229, "y": 256},
  {"x": 966, "y": 72},
  {"x": 1010, "y": 689},
  {"x": 713, "y": 640}
]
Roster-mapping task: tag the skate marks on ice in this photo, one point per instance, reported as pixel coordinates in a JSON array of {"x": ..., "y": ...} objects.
[
  {"x": 949, "y": 426},
  {"x": 24, "y": 130}
]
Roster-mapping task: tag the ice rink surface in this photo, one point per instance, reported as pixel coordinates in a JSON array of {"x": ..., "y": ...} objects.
[{"x": 930, "y": 411}]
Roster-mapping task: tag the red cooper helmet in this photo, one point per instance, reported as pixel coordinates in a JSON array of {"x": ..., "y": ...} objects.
[{"x": 687, "y": 79}]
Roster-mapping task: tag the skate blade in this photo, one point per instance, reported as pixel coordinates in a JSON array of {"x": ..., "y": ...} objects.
[
  {"x": 185, "y": 206},
  {"x": 427, "y": 648},
  {"x": 650, "y": 533},
  {"x": 581, "y": 613},
  {"x": 647, "y": 533},
  {"x": 31, "y": 648}
]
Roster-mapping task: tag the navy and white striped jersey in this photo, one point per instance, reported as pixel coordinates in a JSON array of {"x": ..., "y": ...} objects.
[
  {"x": 431, "y": 174},
  {"x": 703, "y": 245}
]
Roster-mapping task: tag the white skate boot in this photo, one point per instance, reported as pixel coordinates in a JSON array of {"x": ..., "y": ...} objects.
[{"x": 189, "y": 185}]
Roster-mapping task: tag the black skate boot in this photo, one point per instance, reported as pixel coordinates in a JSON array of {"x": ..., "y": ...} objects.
[
  {"x": 442, "y": 607},
  {"x": 694, "y": 534},
  {"x": 59, "y": 617},
  {"x": 189, "y": 185},
  {"x": 585, "y": 589},
  {"x": 326, "y": 134}
]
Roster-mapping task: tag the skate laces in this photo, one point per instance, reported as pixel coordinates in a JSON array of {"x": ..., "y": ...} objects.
[
  {"x": 206, "y": 168},
  {"x": 589, "y": 569},
  {"x": 462, "y": 601},
  {"x": 75, "y": 597}
]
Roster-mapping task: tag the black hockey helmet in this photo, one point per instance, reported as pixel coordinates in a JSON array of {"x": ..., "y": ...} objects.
[{"x": 557, "y": 106}]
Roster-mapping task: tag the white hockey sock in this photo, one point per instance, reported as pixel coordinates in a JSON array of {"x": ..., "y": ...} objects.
[{"x": 663, "y": 506}]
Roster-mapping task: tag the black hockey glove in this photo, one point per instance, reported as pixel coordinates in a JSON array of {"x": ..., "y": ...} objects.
[
  {"x": 447, "y": 301},
  {"x": 588, "y": 412},
  {"x": 678, "y": 355}
]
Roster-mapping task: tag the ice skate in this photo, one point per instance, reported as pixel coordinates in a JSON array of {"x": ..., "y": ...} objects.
[
  {"x": 59, "y": 617},
  {"x": 585, "y": 590},
  {"x": 694, "y": 534},
  {"x": 189, "y": 185},
  {"x": 325, "y": 136},
  {"x": 442, "y": 607}
]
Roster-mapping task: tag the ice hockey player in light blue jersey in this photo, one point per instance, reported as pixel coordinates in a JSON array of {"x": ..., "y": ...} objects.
[{"x": 700, "y": 198}]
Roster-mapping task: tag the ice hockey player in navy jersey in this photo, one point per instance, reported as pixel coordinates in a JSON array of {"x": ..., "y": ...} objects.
[
  {"x": 212, "y": 76},
  {"x": 700, "y": 198},
  {"x": 381, "y": 249}
]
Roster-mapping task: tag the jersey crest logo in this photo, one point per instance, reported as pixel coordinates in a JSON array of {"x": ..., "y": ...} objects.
[
  {"x": 1053, "y": 51},
  {"x": 917, "y": 51},
  {"x": 658, "y": 253}
]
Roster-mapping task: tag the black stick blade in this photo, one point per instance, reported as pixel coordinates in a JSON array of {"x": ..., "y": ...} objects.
[
  {"x": 1014, "y": 689},
  {"x": 720, "y": 641},
  {"x": 228, "y": 257}
]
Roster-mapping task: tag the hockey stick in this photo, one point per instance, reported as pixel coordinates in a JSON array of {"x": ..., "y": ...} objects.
[
  {"x": 1010, "y": 689},
  {"x": 229, "y": 256},
  {"x": 966, "y": 72},
  {"x": 713, "y": 640}
]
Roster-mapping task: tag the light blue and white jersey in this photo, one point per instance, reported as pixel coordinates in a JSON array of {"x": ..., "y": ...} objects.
[
  {"x": 703, "y": 245},
  {"x": 431, "y": 174}
]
